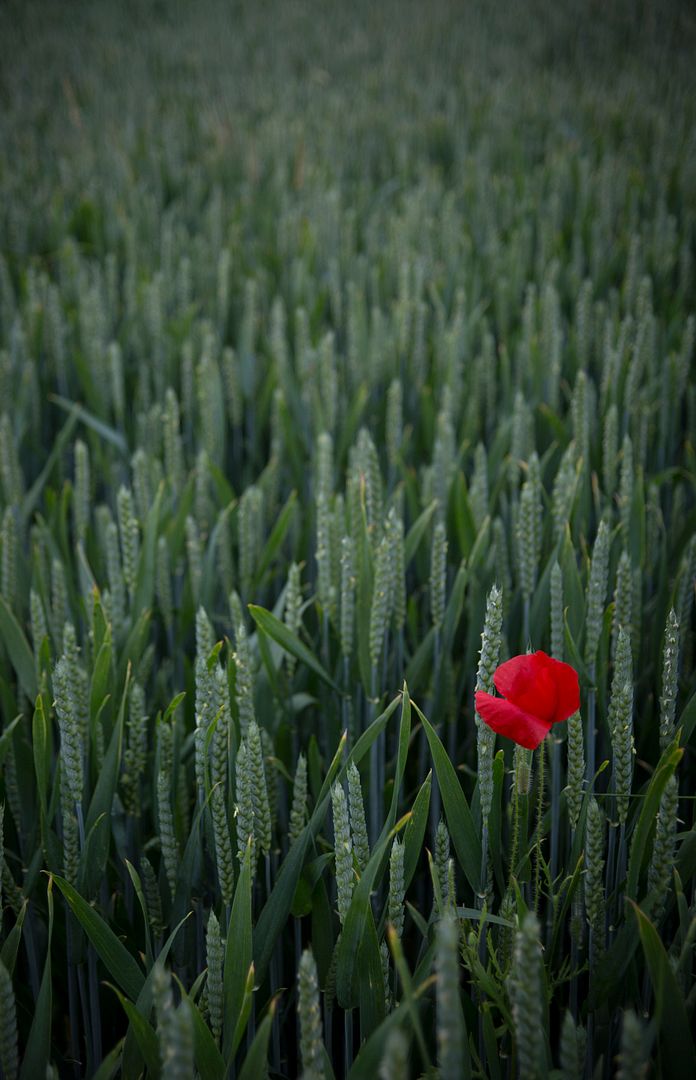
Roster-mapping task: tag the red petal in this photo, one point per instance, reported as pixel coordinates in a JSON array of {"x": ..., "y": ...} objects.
[
  {"x": 567, "y": 690},
  {"x": 528, "y": 681},
  {"x": 509, "y": 720}
]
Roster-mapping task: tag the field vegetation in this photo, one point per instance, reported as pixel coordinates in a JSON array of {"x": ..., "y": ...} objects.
[{"x": 346, "y": 352}]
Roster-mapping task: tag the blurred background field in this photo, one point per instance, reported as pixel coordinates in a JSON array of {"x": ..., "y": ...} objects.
[{"x": 346, "y": 350}]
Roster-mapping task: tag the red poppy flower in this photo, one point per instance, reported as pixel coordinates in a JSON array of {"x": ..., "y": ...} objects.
[{"x": 537, "y": 692}]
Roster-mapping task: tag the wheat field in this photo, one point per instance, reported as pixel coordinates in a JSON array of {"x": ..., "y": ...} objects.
[{"x": 347, "y": 354}]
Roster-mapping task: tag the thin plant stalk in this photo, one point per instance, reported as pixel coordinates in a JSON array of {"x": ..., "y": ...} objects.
[
  {"x": 273, "y": 974},
  {"x": 28, "y": 935},
  {"x": 348, "y": 1040},
  {"x": 297, "y": 931},
  {"x": 610, "y": 881},
  {"x": 325, "y": 659},
  {"x": 80, "y": 825},
  {"x": 328, "y": 1022},
  {"x": 95, "y": 1013},
  {"x": 589, "y": 1053},
  {"x": 515, "y": 842},
  {"x": 555, "y": 804},
  {"x": 375, "y": 751},
  {"x": 383, "y": 736},
  {"x": 555, "y": 824},
  {"x": 540, "y": 814},
  {"x": 519, "y": 809},
  {"x": 85, "y": 1005},
  {"x": 620, "y": 876},
  {"x": 480, "y": 901},
  {"x": 484, "y": 865},
  {"x": 129, "y": 891},
  {"x": 347, "y": 705},
  {"x": 73, "y": 1008},
  {"x": 435, "y": 798}
]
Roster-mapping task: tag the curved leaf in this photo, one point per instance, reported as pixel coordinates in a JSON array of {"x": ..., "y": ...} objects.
[
  {"x": 676, "y": 1039},
  {"x": 278, "y": 631},
  {"x": 238, "y": 956},
  {"x": 113, "y": 954},
  {"x": 17, "y": 646},
  {"x": 461, "y": 824},
  {"x": 38, "y": 1048},
  {"x": 650, "y": 806},
  {"x": 256, "y": 1062}
]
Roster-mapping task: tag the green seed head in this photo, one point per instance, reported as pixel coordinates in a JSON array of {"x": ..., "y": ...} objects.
[
  {"x": 670, "y": 675},
  {"x": 245, "y": 804},
  {"x": 224, "y": 859},
  {"x": 527, "y": 999},
  {"x": 347, "y": 595},
  {"x": 293, "y": 610},
  {"x": 9, "y": 1053},
  {"x": 214, "y": 956},
  {"x": 596, "y": 592},
  {"x": 82, "y": 490},
  {"x": 68, "y": 713},
  {"x": 381, "y": 600},
  {"x": 259, "y": 789},
  {"x": 298, "y": 811},
  {"x": 575, "y": 768},
  {"x": 594, "y": 879},
  {"x": 450, "y": 1048},
  {"x": 620, "y": 720},
  {"x": 309, "y": 1009},
  {"x": 633, "y": 1058},
  {"x": 357, "y": 818},
  {"x": 661, "y": 868},
  {"x": 397, "y": 889},
  {"x": 489, "y": 657},
  {"x": 343, "y": 849},
  {"x": 438, "y": 574}
]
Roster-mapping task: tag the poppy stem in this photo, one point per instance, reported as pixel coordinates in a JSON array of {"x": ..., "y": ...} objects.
[
  {"x": 555, "y": 819},
  {"x": 519, "y": 808},
  {"x": 555, "y": 801},
  {"x": 540, "y": 817},
  {"x": 515, "y": 823}
]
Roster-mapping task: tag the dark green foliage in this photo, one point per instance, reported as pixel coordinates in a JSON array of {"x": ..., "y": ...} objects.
[{"x": 333, "y": 337}]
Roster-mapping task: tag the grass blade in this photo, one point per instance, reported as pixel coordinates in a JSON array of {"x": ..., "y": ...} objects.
[
  {"x": 288, "y": 641},
  {"x": 676, "y": 1033},
  {"x": 459, "y": 819},
  {"x": 113, "y": 954}
]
